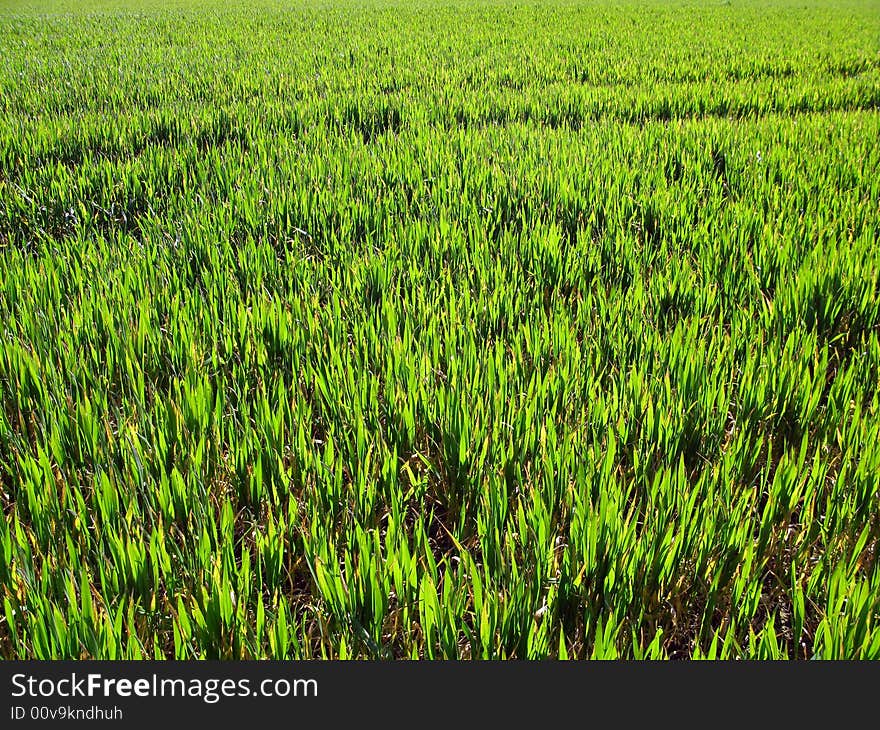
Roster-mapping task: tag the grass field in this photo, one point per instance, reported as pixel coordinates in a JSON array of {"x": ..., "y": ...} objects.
[{"x": 478, "y": 329}]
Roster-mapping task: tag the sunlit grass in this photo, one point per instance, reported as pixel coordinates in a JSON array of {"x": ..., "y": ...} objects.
[{"x": 473, "y": 329}]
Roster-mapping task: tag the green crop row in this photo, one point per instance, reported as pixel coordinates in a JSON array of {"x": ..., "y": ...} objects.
[{"x": 465, "y": 329}]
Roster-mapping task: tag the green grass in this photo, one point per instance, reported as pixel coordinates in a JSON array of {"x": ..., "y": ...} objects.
[{"x": 440, "y": 329}]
